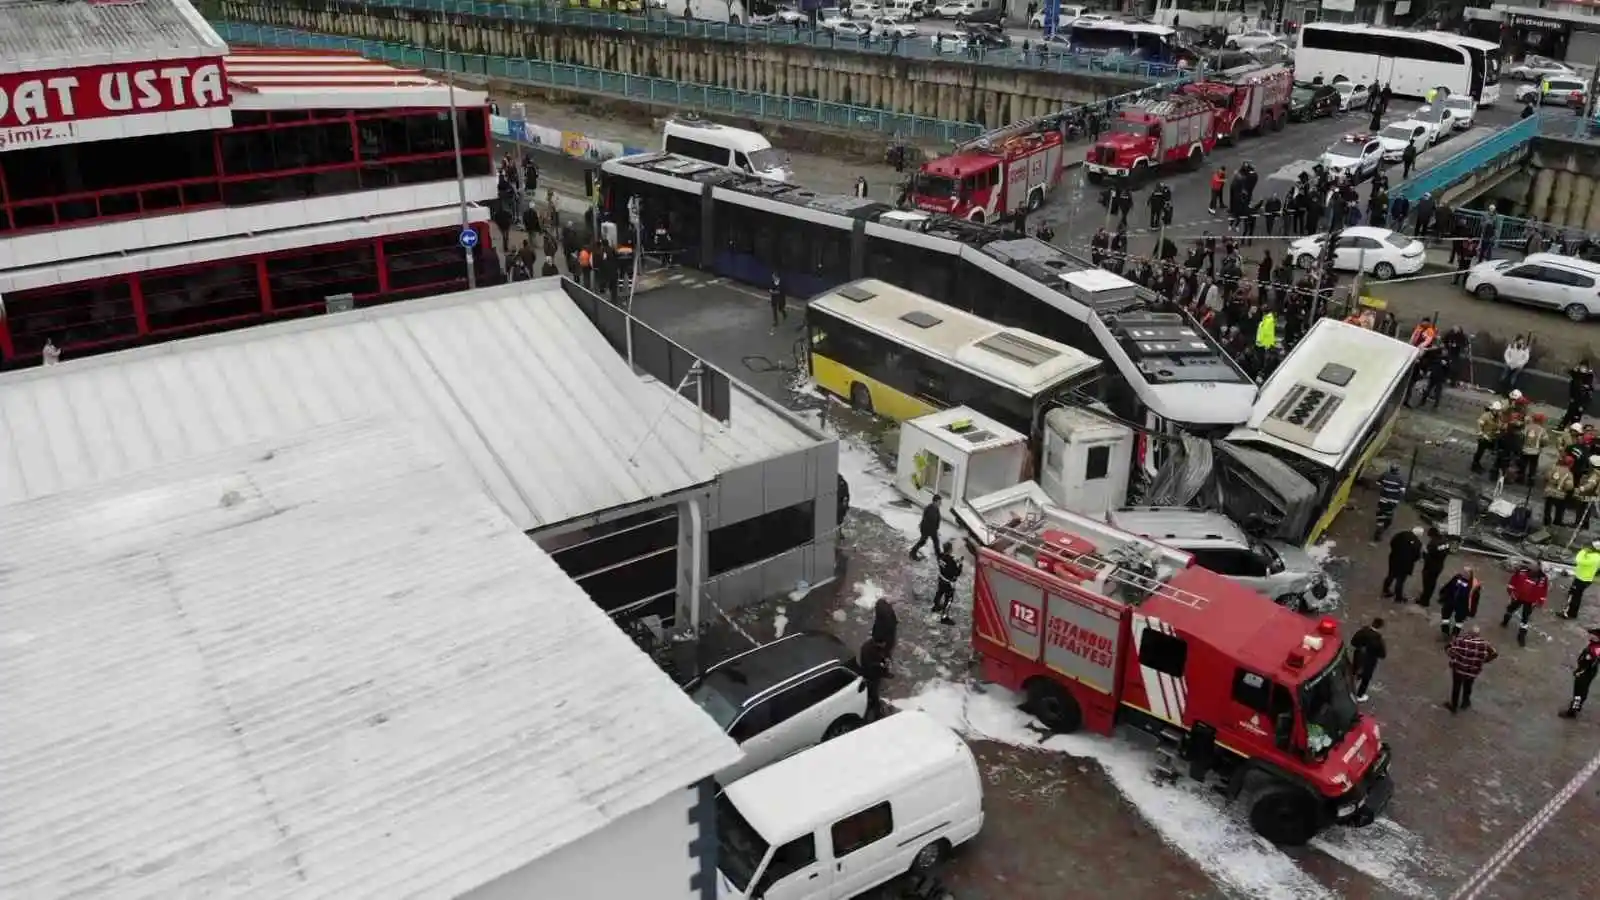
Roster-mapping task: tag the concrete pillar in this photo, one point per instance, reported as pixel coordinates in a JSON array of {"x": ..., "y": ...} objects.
[
  {"x": 1561, "y": 197},
  {"x": 1582, "y": 196},
  {"x": 1539, "y": 196},
  {"x": 1591, "y": 218}
]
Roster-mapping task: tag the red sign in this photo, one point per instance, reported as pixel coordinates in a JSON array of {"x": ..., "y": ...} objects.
[
  {"x": 1024, "y": 618},
  {"x": 99, "y": 92}
]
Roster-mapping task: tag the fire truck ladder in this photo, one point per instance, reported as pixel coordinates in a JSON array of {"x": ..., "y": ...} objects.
[
  {"x": 1141, "y": 581},
  {"x": 991, "y": 140}
]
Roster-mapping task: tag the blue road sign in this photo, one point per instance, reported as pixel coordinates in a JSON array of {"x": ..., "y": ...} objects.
[{"x": 469, "y": 238}]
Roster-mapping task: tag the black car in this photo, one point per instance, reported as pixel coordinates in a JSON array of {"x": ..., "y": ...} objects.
[
  {"x": 986, "y": 35},
  {"x": 1312, "y": 101}
]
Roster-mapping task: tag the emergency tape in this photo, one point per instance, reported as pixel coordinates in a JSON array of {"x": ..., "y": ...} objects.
[
  {"x": 1223, "y": 218},
  {"x": 1480, "y": 880}
]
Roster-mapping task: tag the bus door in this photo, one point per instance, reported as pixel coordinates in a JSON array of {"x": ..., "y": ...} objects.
[{"x": 1475, "y": 88}]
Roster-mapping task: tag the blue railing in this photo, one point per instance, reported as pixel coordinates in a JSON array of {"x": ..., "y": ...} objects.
[
  {"x": 745, "y": 104},
  {"x": 920, "y": 47},
  {"x": 1453, "y": 169}
]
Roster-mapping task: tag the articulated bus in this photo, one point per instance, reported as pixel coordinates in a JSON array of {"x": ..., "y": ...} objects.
[
  {"x": 1328, "y": 410},
  {"x": 1162, "y": 371},
  {"x": 900, "y": 355},
  {"x": 1410, "y": 62}
]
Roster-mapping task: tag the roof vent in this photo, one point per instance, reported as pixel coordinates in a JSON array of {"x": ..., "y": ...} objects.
[
  {"x": 1300, "y": 416},
  {"x": 1018, "y": 349},
  {"x": 856, "y": 293},
  {"x": 920, "y": 319}
]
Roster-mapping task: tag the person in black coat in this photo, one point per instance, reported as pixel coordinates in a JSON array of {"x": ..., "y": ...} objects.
[
  {"x": 1580, "y": 388},
  {"x": 929, "y": 528},
  {"x": 874, "y": 661},
  {"x": 1404, "y": 550},
  {"x": 1369, "y": 649},
  {"x": 1435, "y": 553},
  {"x": 949, "y": 571}
]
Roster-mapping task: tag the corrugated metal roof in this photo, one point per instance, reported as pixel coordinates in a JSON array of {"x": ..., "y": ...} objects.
[
  {"x": 514, "y": 377},
  {"x": 321, "y": 666},
  {"x": 754, "y": 432},
  {"x": 40, "y": 35}
]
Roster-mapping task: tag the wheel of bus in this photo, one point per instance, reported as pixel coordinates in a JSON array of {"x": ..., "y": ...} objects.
[
  {"x": 1053, "y": 706},
  {"x": 1383, "y": 271},
  {"x": 860, "y": 397},
  {"x": 1284, "y": 815}
]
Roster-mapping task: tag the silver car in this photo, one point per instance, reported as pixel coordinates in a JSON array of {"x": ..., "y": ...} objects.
[{"x": 1284, "y": 572}]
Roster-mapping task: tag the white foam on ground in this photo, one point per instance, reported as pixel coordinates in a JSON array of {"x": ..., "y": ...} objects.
[
  {"x": 1323, "y": 554},
  {"x": 868, "y": 593},
  {"x": 1383, "y": 851},
  {"x": 1188, "y": 815},
  {"x": 780, "y": 622},
  {"x": 839, "y": 615},
  {"x": 872, "y": 489}
]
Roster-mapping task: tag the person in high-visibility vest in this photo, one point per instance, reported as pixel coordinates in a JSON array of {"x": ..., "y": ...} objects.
[
  {"x": 1267, "y": 331},
  {"x": 1584, "y": 567},
  {"x": 1432, "y": 93}
]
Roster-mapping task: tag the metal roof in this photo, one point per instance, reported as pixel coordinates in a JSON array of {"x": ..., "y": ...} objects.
[
  {"x": 43, "y": 35},
  {"x": 320, "y": 666},
  {"x": 513, "y": 377},
  {"x": 293, "y": 79}
]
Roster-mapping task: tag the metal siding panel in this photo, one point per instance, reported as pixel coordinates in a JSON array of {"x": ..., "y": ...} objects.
[
  {"x": 783, "y": 482},
  {"x": 1021, "y": 605},
  {"x": 1081, "y": 643},
  {"x": 742, "y": 497}
]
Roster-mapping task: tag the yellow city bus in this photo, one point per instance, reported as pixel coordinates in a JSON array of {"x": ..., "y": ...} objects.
[
  {"x": 1328, "y": 409},
  {"x": 899, "y": 355}
]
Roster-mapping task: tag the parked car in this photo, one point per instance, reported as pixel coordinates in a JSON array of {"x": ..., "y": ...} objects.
[
  {"x": 1313, "y": 101},
  {"x": 1559, "y": 282},
  {"x": 1462, "y": 110},
  {"x": 1351, "y": 95},
  {"x": 950, "y": 41},
  {"x": 782, "y": 697},
  {"x": 1063, "y": 18},
  {"x": 1379, "y": 252},
  {"x": 1555, "y": 91},
  {"x": 1538, "y": 68},
  {"x": 1284, "y": 572},
  {"x": 1396, "y": 135},
  {"x": 1255, "y": 37},
  {"x": 849, "y": 29},
  {"x": 1354, "y": 155},
  {"x": 865, "y": 9},
  {"x": 1272, "y": 52},
  {"x": 791, "y": 16},
  {"x": 884, "y": 28},
  {"x": 987, "y": 35}
]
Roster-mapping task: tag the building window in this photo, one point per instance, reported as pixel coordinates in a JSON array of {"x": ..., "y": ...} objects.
[
  {"x": 734, "y": 546},
  {"x": 192, "y": 298},
  {"x": 424, "y": 260},
  {"x": 72, "y": 316},
  {"x": 309, "y": 279}
]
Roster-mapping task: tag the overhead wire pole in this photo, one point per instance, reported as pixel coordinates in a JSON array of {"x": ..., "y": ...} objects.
[{"x": 467, "y": 246}]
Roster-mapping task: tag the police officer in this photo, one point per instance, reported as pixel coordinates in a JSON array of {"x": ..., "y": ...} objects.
[
  {"x": 1583, "y": 675},
  {"x": 1391, "y": 490},
  {"x": 1584, "y": 567},
  {"x": 1159, "y": 200},
  {"x": 1458, "y": 602},
  {"x": 1488, "y": 434},
  {"x": 949, "y": 571},
  {"x": 1435, "y": 551}
]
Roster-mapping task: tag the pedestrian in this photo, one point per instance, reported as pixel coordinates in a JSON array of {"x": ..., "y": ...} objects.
[
  {"x": 1377, "y": 121},
  {"x": 1391, "y": 490},
  {"x": 885, "y": 626},
  {"x": 1584, "y": 566},
  {"x": 861, "y": 186},
  {"x": 1468, "y": 654},
  {"x": 1557, "y": 491},
  {"x": 929, "y": 528},
  {"x": 1369, "y": 648},
  {"x": 1516, "y": 359},
  {"x": 1583, "y": 675},
  {"x": 1580, "y": 388},
  {"x": 1435, "y": 552},
  {"x": 1404, "y": 549},
  {"x": 1489, "y": 428},
  {"x": 1408, "y": 160},
  {"x": 1458, "y": 602},
  {"x": 1271, "y": 210},
  {"x": 1219, "y": 179},
  {"x": 949, "y": 571},
  {"x": 874, "y": 660},
  {"x": 1529, "y": 589},
  {"x": 778, "y": 299}
]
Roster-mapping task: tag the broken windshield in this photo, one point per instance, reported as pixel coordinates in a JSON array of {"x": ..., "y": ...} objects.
[{"x": 1328, "y": 702}]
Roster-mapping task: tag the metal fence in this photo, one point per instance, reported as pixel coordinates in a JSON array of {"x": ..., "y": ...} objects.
[
  {"x": 1510, "y": 140},
  {"x": 920, "y": 47},
  {"x": 745, "y": 104}
]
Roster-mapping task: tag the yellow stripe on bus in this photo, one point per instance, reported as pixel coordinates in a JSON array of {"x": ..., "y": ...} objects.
[
  {"x": 887, "y": 402},
  {"x": 1340, "y": 497}
]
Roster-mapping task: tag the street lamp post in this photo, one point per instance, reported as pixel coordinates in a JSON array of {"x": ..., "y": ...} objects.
[{"x": 461, "y": 175}]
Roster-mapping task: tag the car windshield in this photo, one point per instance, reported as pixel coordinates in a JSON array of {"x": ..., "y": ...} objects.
[
  {"x": 1397, "y": 240},
  {"x": 1398, "y": 132},
  {"x": 1344, "y": 87},
  {"x": 1302, "y": 95},
  {"x": 1329, "y": 705},
  {"x": 1345, "y": 148},
  {"x": 768, "y": 159},
  {"x": 716, "y": 704},
  {"x": 1128, "y": 126},
  {"x": 1461, "y": 103},
  {"x": 936, "y": 186},
  {"x": 740, "y": 848}
]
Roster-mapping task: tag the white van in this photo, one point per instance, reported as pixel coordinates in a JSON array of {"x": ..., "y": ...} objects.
[
  {"x": 904, "y": 10},
  {"x": 839, "y": 819},
  {"x": 723, "y": 145}
]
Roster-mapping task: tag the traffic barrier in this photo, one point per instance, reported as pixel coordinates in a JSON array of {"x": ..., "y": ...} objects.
[
  {"x": 920, "y": 47},
  {"x": 744, "y": 104}
]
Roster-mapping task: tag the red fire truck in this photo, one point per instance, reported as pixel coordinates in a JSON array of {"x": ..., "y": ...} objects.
[
  {"x": 996, "y": 175},
  {"x": 1248, "y": 99},
  {"x": 1147, "y": 136},
  {"x": 1100, "y": 628}
]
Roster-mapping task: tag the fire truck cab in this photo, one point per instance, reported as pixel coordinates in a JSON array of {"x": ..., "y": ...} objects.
[
  {"x": 1248, "y": 99},
  {"x": 1100, "y": 628},
  {"x": 1147, "y": 136},
  {"x": 996, "y": 176}
]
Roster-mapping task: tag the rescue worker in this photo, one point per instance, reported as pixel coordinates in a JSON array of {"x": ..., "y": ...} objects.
[
  {"x": 1565, "y": 438},
  {"x": 1534, "y": 436},
  {"x": 1369, "y": 648},
  {"x": 1391, "y": 490},
  {"x": 778, "y": 299},
  {"x": 1583, "y": 675},
  {"x": 929, "y": 528},
  {"x": 1160, "y": 198},
  {"x": 1404, "y": 548},
  {"x": 1584, "y": 567},
  {"x": 1558, "y": 491},
  {"x": 1435, "y": 552},
  {"x": 1489, "y": 427},
  {"x": 1458, "y": 601},
  {"x": 874, "y": 660},
  {"x": 1587, "y": 493},
  {"x": 1468, "y": 654},
  {"x": 1529, "y": 589},
  {"x": 1267, "y": 332},
  {"x": 949, "y": 571},
  {"x": 586, "y": 268},
  {"x": 1424, "y": 334},
  {"x": 1508, "y": 449}
]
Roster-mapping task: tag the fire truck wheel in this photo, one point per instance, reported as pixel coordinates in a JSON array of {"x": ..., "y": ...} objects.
[
  {"x": 1053, "y": 706},
  {"x": 1276, "y": 123},
  {"x": 860, "y": 397},
  {"x": 1284, "y": 815},
  {"x": 1197, "y": 158},
  {"x": 1035, "y": 200}
]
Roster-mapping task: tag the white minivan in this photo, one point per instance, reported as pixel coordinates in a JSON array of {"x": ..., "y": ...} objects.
[
  {"x": 724, "y": 145},
  {"x": 848, "y": 815}
]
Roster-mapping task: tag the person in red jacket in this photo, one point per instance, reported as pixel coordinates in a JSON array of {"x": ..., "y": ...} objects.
[
  {"x": 1468, "y": 653},
  {"x": 1529, "y": 589}
]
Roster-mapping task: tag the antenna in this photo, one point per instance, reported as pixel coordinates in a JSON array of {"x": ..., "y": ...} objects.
[
  {"x": 694, "y": 372},
  {"x": 1107, "y": 569}
]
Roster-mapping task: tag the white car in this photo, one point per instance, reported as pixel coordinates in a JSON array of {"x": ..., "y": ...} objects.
[
  {"x": 1460, "y": 111},
  {"x": 1543, "y": 279},
  {"x": 1538, "y": 68},
  {"x": 885, "y": 27},
  {"x": 791, "y": 16},
  {"x": 782, "y": 697},
  {"x": 951, "y": 9},
  {"x": 1355, "y": 155},
  {"x": 1351, "y": 95},
  {"x": 1253, "y": 38},
  {"x": 1557, "y": 91},
  {"x": 865, "y": 9},
  {"x": 950, "y": 42},
  {"x": 1271, "y": 52},
  {"x": 1379, "y": 252},
  {"x": 1395, "y": 136},
  {"x": 1063, "y": 18},
  {"x": 849, "y": 30}
]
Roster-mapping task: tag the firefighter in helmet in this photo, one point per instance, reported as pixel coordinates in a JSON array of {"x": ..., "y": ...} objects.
[
  {"x": 1583, "y": 675},
  {"x": 1489, "y": 427}
]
